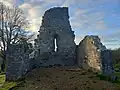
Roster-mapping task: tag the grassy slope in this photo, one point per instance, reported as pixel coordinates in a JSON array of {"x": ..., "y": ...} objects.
[
  {"x": 5, "y": 85},
  {"x": 2, "y": 79},
  {"x": 64, "y": 79}
]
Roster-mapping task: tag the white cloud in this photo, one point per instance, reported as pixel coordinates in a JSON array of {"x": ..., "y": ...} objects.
[
  {"x": 9, "y": 3},
  {"x": 78, "y": 39},
  {"x": 25, "y": 6},
  {"x": 35, "y": 9},
  {"x": 111, "y": 40},
  {"x": 34, "y": 15},
  {"x": 86, "y": 19},
  {"x": 82, "y": 18},
  {"x": 57, "y": 2}
]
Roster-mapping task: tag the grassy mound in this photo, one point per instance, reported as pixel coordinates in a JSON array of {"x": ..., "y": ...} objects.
[{"x": 64, "y": 79}]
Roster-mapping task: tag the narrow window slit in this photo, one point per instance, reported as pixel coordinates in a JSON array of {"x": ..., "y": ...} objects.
[{"x": 55, "y": 45}]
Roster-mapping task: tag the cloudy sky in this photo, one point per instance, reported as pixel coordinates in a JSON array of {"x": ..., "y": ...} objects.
[{"x": 87, "y": 17}]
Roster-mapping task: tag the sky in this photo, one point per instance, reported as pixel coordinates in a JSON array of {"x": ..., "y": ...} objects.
[{"x": 87, "y": 17}]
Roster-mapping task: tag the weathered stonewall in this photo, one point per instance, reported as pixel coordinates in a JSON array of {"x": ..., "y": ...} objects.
[
  {"x": 93, "y": 55},
  {"x": 107, "y": 65},
  {"x": 18, "y": 62},
  {"x": 55, "y": 27}
]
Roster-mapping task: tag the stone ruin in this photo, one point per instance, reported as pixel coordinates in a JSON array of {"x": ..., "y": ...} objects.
[
  {"x": 93, "y": 55},
  {"x": 55, "y": 46},
  {"x": 18, "y": 62},
  {"x": 107, "y": 66},
  {"x": 88, "y": 53},
  {"x": 55, "y": 29}
]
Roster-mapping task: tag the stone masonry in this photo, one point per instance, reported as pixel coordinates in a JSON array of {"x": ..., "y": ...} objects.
[
  {"x": 18, "y": 62},
  {"x": 55, "y": 26},
  {"x": 93, "y": 55},
  {"x": 107, "y": 65}
]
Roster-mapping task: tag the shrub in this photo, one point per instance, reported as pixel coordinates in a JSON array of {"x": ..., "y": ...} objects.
[{"x": 113, "y": 79}]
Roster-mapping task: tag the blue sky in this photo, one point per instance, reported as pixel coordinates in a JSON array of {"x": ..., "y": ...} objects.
[{"x": 87, "y": 17}]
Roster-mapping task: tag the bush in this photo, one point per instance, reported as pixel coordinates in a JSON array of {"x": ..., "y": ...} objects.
[
  {"x": 101, "y": 77},
  {"x": 113, "y": 79}
]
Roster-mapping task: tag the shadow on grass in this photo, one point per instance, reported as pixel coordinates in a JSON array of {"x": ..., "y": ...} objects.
[{"x": 108, "y": 78}]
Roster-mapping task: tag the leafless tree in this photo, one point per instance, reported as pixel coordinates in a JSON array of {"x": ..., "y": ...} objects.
[{"x": 12, "y": 25}]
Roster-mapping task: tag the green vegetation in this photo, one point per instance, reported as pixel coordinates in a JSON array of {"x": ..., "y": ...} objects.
[
  {"x": 117, "y": 66},
  {"x": 8, "y": 85},
  {"x": 2, "y": 79},
  {"x": 116, "y": 56},
  {"x": 108, "y": 78},
  {"x": 5, "y": 85}
]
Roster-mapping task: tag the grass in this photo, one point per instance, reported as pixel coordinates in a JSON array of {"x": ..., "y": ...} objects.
[
  {"x": 2, "y": 79},
  {"x": 61, "y": 78},
  {"x": 8, "y": 85},
  {"x": 64, "y": 78},
  {"x": 117, "y": 65},
  {"x": 5, "y": 85},
  {"x": 117, "y": 71}
]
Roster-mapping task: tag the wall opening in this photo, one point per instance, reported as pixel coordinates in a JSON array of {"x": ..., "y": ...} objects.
[{"x": 55, "y": 43}]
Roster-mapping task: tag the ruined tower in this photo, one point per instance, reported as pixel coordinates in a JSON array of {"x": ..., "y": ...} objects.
[
  {"x": 55, "y": 42},
  {"x": 93, "y": 55}
]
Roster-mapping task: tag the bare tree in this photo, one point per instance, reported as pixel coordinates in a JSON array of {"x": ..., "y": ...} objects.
[{"x": 12, "y": 25}]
